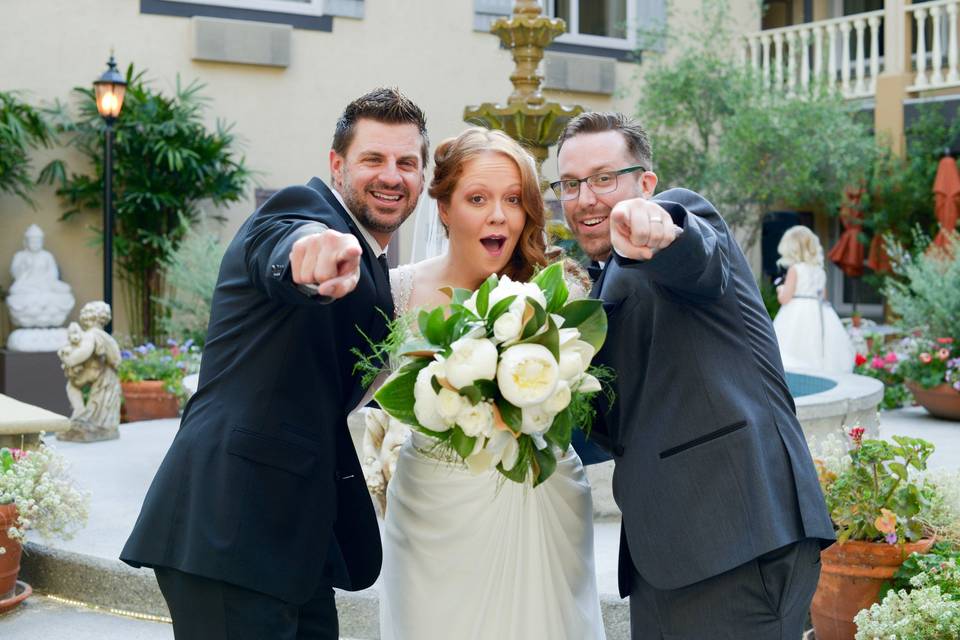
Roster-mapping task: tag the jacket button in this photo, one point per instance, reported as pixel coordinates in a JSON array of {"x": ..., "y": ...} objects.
[
  {"x": 276, "y": 270},
  {"x": 618, "y": 450}
]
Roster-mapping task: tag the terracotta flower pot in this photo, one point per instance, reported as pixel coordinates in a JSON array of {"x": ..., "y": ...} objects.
[
  {"x": 9, "y": 561},
  {"x": 851, "y": 576},
  {"x": 942, "y": 401},
  {"x": 147, "y": 400}
]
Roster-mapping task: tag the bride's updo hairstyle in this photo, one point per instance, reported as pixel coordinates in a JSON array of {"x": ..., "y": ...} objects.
[
  {"x": 799, "y": 244},
  {"x": 449, "y": 160}
]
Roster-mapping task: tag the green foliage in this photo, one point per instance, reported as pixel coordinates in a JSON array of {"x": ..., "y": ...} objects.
[
  {"x": 22, "y": 128},
  {"x": 169, "y": 363},
  {"x": 166, "y": 161},
  {"x": 885, "y": 364},
  {"x": 768, "y": 292},
  {"x": 923, "y": 293},
  {"x": 190, "y": 276},
  {"x": 877, "y": 497},
  {"x": 933, "y": 563},
  {"x": 716, "y": 129}
]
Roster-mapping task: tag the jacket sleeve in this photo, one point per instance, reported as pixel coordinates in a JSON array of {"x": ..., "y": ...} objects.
[
  {"x": 291, "y": 214},
  {"x": 696, "y": 266}
]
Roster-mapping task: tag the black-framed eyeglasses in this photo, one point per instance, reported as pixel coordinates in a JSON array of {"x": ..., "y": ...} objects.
[{"x": 603, "y": 182}]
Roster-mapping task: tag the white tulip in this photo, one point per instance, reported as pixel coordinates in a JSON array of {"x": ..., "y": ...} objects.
[
  {"x": 449, "y": 404},
  {"x": 522, "y": 290},
  {"x": 503, "y": 449},
  {"x": 588, "y": 384},
  {"x": 575, "y": 357},
  {"x": 560, "y": 399},
  {"x": 527, "y": 375},
  {"x": 425, "y": 398},
  {"x": 536, "y": 420},
  {"x": 476, "y": 419},
  {"x": 471, "y": 359},
  {"x": 508, "y": 326}
]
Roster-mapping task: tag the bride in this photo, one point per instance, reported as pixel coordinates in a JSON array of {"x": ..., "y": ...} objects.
[{"x": 476, "y": 557}]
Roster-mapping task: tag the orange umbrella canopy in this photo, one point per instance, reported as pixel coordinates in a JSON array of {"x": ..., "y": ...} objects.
[
  {"x": 946, "y": 190},
  {"x": 848, "y": 252}
]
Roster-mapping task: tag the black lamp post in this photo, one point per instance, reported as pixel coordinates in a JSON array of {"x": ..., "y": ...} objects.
[{"x": 109, "y": 89}]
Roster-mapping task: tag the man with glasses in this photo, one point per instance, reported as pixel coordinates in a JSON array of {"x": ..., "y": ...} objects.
[{"x": 723, "y": 517}]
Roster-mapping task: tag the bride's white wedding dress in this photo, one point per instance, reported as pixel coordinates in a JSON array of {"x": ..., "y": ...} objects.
[{"x": 479, "y": 557}]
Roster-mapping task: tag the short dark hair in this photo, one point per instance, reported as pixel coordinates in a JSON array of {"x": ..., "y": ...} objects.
[
  {"x": 638, "y": 142},
  {"x": 383, "y": 104}
]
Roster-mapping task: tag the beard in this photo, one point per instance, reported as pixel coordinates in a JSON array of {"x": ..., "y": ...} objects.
[{"x": 365, "y": 216}]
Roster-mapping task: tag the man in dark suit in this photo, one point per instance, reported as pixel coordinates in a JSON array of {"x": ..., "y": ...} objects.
[
  {"x": 723, "y": 517},
  {"x": 259, "y": 508}
]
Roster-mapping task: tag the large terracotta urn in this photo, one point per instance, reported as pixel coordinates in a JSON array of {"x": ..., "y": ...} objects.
[
  {"x": 851, "y": 576},
  {"x": 942, "y": 401}
]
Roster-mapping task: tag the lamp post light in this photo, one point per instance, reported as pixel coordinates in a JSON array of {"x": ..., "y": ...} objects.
[{"x": 109, "y": 88}]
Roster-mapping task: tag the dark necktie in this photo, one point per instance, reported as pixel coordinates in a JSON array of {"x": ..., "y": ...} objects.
[
  {"x": 594, "y": 270},
  {"x": 382, "y": 259}
]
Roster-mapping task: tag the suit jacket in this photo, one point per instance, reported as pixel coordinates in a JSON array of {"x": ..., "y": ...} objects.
[
  {"x": 262, "y": 487},
  {"x": 712, "y": 468}
]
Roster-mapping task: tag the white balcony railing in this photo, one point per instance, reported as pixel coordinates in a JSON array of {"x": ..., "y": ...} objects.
[
  {"x": 845, "y": 51},
  {"x": 935, "y": 44}
]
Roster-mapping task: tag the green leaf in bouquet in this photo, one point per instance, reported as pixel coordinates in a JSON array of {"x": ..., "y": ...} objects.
[
  {"x": 396, "y": 395},
  {"x": 418, "y": 348},
  {"x": 456, "y": 294},
  {"x": 535, "y": 322},
  {"x": 472, "y": 393},
  {"x": 483, "y": 294},
  {"x": 461, "y": 442},
  {"x": 561, "y": 431},
  {"x": 544, "y": 464},
  {"x": 511, "y": 415},
  {"x": 456, "y": 325},
  {"x": 467, "y": 313},
  {"x": 498, "y": 310},
  {"x": 549, "y": 338},
  {"x": 435, "y": 384},
  {"x": 433, "y": 327},
  {"x": 522, "y": 466},
  {"x": 488, "y": 388},
  {"x": 588, "y": 316},
  {"x": 551, "y": 281}
]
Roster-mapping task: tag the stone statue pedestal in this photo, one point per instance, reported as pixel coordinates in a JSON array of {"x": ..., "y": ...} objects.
[
  {"x": 34, "y": 340},
  {"x": 88, "y": 431},
  {"x": 35, "y": 378}
]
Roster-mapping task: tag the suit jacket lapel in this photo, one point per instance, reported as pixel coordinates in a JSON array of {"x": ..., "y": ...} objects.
[
  {"x": 380, "y": 278},
  {"x": 598, "y": 285}
]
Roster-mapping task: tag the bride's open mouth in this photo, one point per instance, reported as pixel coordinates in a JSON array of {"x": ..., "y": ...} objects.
[{"x": 493, "y": 244}]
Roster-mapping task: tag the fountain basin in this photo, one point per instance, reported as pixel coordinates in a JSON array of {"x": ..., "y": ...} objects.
[{"x": 828, "y": 402}]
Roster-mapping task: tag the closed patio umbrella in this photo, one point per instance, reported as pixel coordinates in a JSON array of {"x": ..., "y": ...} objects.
[{"x": 946, "y": 190}]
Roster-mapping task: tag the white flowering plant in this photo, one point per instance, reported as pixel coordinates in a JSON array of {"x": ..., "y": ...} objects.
[
  {"x": 502, "y": 375},
  {"x": 37, "y": 482}
]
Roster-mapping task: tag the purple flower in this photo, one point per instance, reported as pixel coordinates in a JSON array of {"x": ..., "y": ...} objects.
[
  {"x": 166, "y": 359},
  {"x": 142, "y": 350},
  {"x": 171, "y": 342},
  {"x": 150, "y": 346},
  {"x": 188, "y": 344},
  {"x": 126, "y": 355},
  {"x": 891, "y": 537}
]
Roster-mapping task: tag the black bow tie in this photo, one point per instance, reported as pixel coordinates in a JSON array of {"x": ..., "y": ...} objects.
[{"x": 594, "y": 270}]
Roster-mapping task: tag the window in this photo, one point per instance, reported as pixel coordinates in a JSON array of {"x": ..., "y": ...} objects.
[
  {"x": 600, "y": 23},
  {"x": 299, "y": 7}
]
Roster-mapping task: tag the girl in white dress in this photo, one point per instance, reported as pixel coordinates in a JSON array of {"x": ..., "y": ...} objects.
[
  {"x": 479, "y": 557},
  {"x": 810, "y": 334}
]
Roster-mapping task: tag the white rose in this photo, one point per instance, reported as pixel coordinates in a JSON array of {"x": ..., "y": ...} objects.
[
  {"x": 449, "y": 404},
  {"x": 425, "y": 398},
  {"x": 508, "y": 326},
  {"x": 535, "y": 420},
  {"x": 476, "y": 419},
  {"x": 559, "y": 400},
  {"x": 527, "y": 375},
  {"x": 575, "y": 357},
  {"x": 503, "y": 449},
  {"x": 471, "y": 359}
]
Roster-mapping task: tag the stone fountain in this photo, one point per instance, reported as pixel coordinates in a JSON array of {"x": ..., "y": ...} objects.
[{"x": 527, "y": 116}]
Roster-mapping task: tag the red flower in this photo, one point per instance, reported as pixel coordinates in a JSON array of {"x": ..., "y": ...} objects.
[
  {"x": 943, "y": 354},
  {"x": 926, "y": 358},
  {"x": 856, "y": 434},
  {"x": 860, "y": 359},
  {"x": 945, "y": 340}
]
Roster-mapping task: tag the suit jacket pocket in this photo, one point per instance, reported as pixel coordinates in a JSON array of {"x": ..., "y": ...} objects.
[
  {"x": 713, "y": 435},
  {"x": 272, "y": 452}
]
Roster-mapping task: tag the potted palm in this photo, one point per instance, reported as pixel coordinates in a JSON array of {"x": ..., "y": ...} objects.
[
  {"x": 36, "y": 493},
  {"x": 151, "y": 379},
  {"x": 877, "y": 504}
]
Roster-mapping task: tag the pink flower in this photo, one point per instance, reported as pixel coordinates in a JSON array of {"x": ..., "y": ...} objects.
[
  {"x": 890, "y": 358},
  {"x": 877, "y": 362},
  {"x": 856, "y": 434},
  {"x": 926, "y": 358},
  {"x": 943, "y": 354},
  {"x": 945, "y": 340}
]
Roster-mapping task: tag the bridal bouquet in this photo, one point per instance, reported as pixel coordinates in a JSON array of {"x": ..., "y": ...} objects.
[{"x": 501, "y": 376}]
